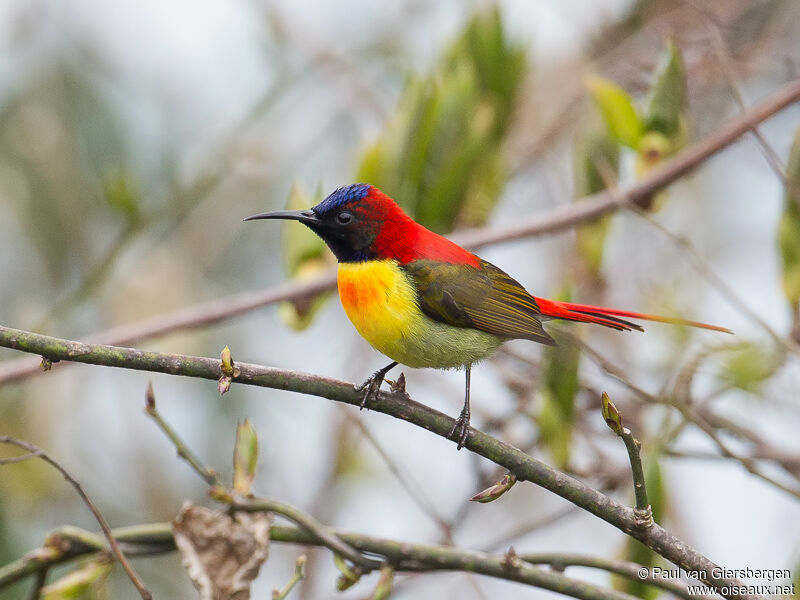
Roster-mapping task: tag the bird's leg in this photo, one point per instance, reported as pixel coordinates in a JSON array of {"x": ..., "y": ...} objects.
[
  {"x": 372, "y": 385},
  {"x": 461, "y": 426}
]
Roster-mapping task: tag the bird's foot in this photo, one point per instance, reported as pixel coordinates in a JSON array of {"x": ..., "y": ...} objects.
[
  {"x": 371, "y": 387},
  {"x": 460, "y": 429}
]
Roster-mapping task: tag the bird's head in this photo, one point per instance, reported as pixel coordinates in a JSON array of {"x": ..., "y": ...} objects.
[{"x": 358, "y": 222}]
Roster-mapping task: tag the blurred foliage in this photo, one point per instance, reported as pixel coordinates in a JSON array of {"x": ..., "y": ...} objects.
[
  {"x": 669, "y": 99},
  {"x": 655, "y": 133},
  {"x": 245, "y": 458},
  {"x": 63, "y": 144},
  {"x": 305, "y": 256},
  {"x": 789, "y": 233},
  {"x": 441, "y": 155},
  {"x": 634, "y": 550},
  {"x": 559, "y": 387},
  {"x": 122, "y": 194},
  {"x": 87, "y": 582},
  {"x": 661, "y": 129},
  {"x": 617, "y": 109},
  {"x": 595, "y": 165},
  {"x": 748, "y": 365}
]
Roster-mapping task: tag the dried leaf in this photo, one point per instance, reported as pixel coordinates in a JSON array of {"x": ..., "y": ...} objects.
[
  {"x": 492, "y": 493},
  {"x": 221, "y": 553}
]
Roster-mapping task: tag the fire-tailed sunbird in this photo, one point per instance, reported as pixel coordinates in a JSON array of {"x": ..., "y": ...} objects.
[{"x": 425, "y": 301}]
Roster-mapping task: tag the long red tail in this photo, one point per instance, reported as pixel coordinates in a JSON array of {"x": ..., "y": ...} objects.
[{"x": 611, "y": 317}]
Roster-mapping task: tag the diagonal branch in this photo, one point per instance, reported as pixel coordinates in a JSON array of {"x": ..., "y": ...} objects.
[
  {"x": 558, "y": 219},
  {"x": 36, "y": 452},
  {"x": 399, "y": 406}
]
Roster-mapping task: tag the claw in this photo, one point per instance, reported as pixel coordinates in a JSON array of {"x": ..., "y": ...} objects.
[
  {"x": 371, "y": 387},
  {"x": 461, "y": 427}
]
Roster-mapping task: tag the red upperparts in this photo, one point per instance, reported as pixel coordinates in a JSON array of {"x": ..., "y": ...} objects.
[{"x": 403, "y": 239}]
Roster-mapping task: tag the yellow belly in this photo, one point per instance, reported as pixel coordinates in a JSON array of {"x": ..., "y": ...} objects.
[{"x": 381, "y": 302}]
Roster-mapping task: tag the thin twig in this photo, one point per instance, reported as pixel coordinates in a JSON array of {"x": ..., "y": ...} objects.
[
  {"x": 411, "y": 487},
  {"x": 688, "y": 413},
  {"x": 325, "y": 534},
  {"x": 15, "y": 459},
  {"x": 39, "y": 453},
  {"x": 723, "y": 58},
  {"x": 299, "y": 573},
  {"x": 207, "y": 474},
  {"x": 558, "y": 219},
  {"x": 702, "y": 267},
  {"x": 218, "y": 492},
  {"x": 525, "y": 467},
  {"x": 613, "y": 418}
]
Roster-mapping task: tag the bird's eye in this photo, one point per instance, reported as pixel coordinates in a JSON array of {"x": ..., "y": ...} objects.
[{"x": 344, "y": 217}]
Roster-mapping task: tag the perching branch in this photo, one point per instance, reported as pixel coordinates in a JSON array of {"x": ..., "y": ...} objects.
[
  {"x": 524, "y": 467},
  {"x": 558, "y": 219},
  {"x": 36, "y": 452}
]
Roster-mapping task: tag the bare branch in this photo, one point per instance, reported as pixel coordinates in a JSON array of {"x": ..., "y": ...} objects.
[
  {"x": 207, "y": 474},
  {"x": 35, "y": 451}
]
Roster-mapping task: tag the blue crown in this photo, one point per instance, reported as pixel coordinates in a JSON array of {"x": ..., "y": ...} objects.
[{"x": 342, "y": 196}]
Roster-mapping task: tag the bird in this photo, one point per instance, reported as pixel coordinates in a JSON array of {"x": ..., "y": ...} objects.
[{"x": 424, "y": 301}]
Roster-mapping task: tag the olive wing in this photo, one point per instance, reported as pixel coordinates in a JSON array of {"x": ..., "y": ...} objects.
[{"x": 483, "y": 297}]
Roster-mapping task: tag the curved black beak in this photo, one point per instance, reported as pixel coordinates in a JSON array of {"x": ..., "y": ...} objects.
[{"x": 304, "y": 216}]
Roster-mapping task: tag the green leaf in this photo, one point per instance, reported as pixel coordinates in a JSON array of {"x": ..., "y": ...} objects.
[
  {"x": 121, "y": 194},
  {"x": 789, "y": 227},
  {"x": 617, "y": 109},
  {"x": 245, "y": 458},
  {"x": 85, "y": 583},
  {"x": 668, "y": 103},
  {"x": 595, "y": 157}
]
